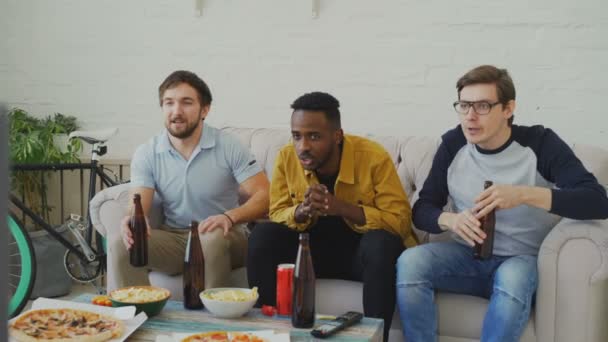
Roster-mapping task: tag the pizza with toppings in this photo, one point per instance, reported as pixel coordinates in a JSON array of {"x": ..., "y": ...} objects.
[
  {"x": 223, "y": 336},
  {"x": 245, "y": 337},
  {"x": 212, "y": 336},
  {"x": 65, "y": 325}
]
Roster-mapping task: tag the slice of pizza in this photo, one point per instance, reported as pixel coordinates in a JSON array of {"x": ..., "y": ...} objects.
[
  {"x": 211, "y": 336},
  {"x": 245, "y": 337},
  {"x": 65, "y": 325}
]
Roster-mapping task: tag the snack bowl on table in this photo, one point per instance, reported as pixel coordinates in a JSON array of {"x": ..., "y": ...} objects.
[
  {"x": 149, "y": 299},
  {"x": 229, "y": 302}
]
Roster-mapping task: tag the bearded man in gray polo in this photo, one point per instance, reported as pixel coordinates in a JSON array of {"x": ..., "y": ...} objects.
[{"x": 196, "y": 170}]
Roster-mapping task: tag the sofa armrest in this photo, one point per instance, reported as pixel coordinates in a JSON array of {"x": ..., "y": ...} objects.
[
  {"x": 572, "y": 296},
  {"x": 110, "y": 205},
  {"x": 112, "y": 202}
]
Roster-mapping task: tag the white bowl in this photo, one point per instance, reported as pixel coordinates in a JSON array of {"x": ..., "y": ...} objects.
[{"x": 228, "y": 308}]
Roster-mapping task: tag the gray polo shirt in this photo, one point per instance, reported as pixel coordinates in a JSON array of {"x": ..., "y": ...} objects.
[{"x": 194, "y": 189}]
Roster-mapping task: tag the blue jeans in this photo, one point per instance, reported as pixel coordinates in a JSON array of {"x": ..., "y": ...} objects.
[{"x": 509, "y": 283}]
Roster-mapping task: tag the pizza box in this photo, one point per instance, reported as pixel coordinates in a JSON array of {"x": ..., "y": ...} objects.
[
  {"x": 267, "y": 335},
  {"x": 125, "y": 313}
]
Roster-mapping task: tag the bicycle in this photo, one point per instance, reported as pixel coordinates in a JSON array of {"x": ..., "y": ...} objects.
[{"x": 82, "y": 261}]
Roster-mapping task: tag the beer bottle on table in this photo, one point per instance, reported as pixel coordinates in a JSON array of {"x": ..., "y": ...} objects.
[
  {"x": 484, "y": 250},
  {"x": 194, "y": 270},
  {"x": 138, "y": 254},
  {"x": 303, "y": 302}
]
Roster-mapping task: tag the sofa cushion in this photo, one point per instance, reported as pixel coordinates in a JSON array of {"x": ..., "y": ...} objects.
[{"x": 461, "y": 316}]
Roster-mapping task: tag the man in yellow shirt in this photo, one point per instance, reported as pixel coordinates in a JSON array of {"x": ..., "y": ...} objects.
[{"x": 342, "y": 189}]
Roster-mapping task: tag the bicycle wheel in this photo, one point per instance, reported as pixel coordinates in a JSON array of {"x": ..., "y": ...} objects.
[{"x": 21, "y": 268}]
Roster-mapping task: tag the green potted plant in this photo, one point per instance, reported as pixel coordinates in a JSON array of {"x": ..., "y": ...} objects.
[{"x": 34, "y": 141}]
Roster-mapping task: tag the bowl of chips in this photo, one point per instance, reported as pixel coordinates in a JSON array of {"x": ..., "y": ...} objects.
[
  {"x": 229, "y": 302},
  {"x": 149, "y": 299}
]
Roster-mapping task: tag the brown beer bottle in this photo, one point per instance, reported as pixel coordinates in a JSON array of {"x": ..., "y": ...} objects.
[
  {"x": 194, "y": 270},
  {"x": 138, "y": 254},
  {"x": 484, "y": 250},
  {"x": 303, "y": 300}
]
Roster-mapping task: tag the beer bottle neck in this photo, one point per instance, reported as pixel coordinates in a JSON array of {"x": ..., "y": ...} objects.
[
  {"x": 194, "y": 227},
  {"x": 137, "y": 209}
]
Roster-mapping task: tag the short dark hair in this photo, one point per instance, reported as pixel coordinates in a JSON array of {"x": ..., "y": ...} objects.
[
  {"x": 489, "y": 74},
  {"x": 322, "y": 102},
  {"x": 182, "y": 76}
]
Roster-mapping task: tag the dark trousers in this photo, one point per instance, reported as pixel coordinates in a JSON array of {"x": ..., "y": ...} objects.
[{"x": 338, "y": 252}]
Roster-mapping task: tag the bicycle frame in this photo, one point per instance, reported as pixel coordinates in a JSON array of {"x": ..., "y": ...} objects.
[{"x": 96, "y": 170}]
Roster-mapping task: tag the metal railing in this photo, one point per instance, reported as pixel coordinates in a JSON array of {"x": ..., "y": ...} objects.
[{"x": 67, "y": 191}]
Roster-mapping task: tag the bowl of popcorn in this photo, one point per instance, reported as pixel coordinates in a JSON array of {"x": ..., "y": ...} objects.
[
  {"x": 149, "y": 299},
  {"x": 229, "y": 302}
]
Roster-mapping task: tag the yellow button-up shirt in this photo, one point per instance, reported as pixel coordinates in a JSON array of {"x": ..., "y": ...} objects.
[{"x": 367, "y": 178}]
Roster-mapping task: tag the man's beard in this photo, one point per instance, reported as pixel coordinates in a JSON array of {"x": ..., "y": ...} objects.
[{"x": 187, "y": 132}]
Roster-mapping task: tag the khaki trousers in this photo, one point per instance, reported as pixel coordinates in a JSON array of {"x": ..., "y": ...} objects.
[{"x": 166, "y": 252}]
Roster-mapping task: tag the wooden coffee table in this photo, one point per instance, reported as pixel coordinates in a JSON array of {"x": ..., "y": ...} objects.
[{"x": 174, "y": 318}]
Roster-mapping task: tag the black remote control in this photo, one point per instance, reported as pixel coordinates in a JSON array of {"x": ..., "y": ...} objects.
[{"x": 341, "y": 322}]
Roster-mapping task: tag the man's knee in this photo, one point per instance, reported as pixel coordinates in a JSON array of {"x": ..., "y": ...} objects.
[
  {"x": 517, "y": 277},
  {"x": 414, "y": 266},
  {"x": 267, "y": 235},
  {"x": 380, "y": 247},
  {"x": 214, "y": 244},
  {"x": 212, "y": 236}
]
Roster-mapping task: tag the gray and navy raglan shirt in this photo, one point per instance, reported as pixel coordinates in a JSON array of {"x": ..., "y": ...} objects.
[{"x": 533, "y": 156}]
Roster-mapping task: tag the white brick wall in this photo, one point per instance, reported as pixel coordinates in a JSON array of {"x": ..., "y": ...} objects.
[{"x": 392, "y": 64}]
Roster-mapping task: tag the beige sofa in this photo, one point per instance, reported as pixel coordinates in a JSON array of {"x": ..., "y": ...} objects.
[{"x": 572, "y": 298}]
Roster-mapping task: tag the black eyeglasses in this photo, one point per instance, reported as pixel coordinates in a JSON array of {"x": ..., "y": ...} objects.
[{"x": 480, "y": 107}]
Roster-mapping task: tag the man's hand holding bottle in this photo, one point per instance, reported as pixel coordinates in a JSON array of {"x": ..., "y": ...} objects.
[{"x": 127, "y": 236}]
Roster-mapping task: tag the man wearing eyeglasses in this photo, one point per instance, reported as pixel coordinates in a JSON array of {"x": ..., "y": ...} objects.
[{"x": 537, "y": 178}]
